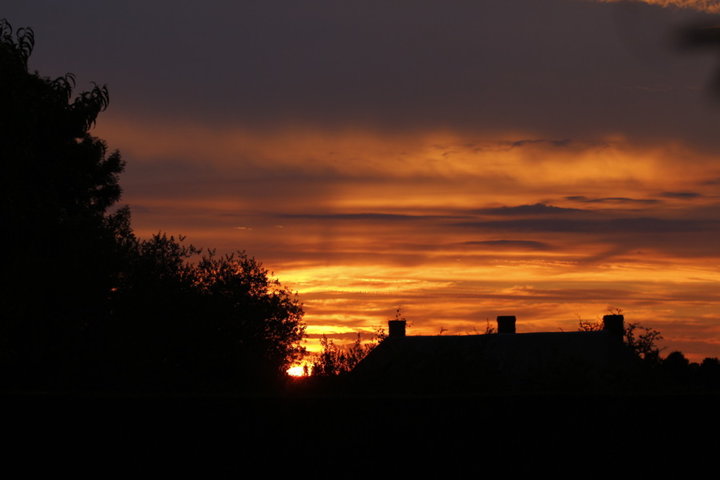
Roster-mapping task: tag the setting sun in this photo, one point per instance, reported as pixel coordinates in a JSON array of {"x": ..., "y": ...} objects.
[{"x": 296, "y": 371}]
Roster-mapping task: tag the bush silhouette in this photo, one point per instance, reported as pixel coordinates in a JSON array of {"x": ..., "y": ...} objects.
[
  {"x": 58, "y": 185},
  {"x": 85, "y": 303},
  {"x": 217, "y": 324}
]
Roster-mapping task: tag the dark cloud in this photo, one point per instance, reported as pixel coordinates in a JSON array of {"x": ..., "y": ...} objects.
[
  {"x": 558, "y": 68},
  {"x": 584, "y": 199},
  {"x": 514, "y": 244},
  {"x": 681, "y": 195},
  {"x": 642, "y": 225},
  {"x": 531, "y": 210},
  {"x": 368, "y": 217},
  {"x": 705, "y": 36},
  {"x": 605, "y": 256},
  {"x": 552, "y": 143}
]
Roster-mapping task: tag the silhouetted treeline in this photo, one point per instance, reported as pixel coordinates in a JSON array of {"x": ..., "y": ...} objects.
[
  {"x": 674, "y": 375},
  {"x": 87, "y": 305}
]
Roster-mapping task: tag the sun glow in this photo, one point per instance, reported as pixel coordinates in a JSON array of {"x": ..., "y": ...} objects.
[
  {"x": 301, "y": 370},
  {"x": 297, "y": 371}
]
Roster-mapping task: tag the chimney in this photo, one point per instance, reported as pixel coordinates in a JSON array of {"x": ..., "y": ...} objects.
[
  {"x": 506, "y": 323},
  {"x": 614, "y": 325},
  {"x": 396, "y": 328}
]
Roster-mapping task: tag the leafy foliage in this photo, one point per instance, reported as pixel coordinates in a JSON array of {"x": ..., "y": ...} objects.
[
  {"x": 58, "y": 184},
  {"x": 337, "y": 360},
  {"x": 250, "y": 307},
  {"x": 642, "y": 341},
  {"x": 85, "y": 302},
  {"x": 217, "y": 323}
]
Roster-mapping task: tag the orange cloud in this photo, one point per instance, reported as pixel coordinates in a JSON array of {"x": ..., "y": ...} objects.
[{"x": 454, "y": 227}]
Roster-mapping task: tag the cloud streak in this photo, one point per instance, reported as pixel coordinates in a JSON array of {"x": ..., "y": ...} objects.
[
  {"x": 709, "y": 6},
  {"x": 454, "y": 228}
]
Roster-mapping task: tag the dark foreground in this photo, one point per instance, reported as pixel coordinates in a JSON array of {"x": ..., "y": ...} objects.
[{"x": 360, "y": 436}]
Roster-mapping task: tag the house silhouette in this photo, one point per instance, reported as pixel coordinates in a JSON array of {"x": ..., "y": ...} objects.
[{"x": 503, "y": 361}]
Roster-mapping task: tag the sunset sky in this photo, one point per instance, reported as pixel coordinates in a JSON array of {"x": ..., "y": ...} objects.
[{"x": 460, "y": 160}]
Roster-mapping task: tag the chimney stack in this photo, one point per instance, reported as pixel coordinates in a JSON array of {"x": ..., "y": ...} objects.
[
  {"x": 614, "y": 325},
  {"x": 506, "y": 323},
  {"x": 396, "y": 328}
]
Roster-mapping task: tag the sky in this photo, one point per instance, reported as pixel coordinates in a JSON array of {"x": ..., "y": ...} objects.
[{"x": 459, "y": 160}]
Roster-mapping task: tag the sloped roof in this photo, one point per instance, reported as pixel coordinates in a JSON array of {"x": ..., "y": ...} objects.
[{"x": 457, "y": 362}]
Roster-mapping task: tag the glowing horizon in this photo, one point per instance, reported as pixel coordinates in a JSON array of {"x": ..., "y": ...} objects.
[
  {"x": 543, "y": 158},
  {"x": 455, "y": 229}
]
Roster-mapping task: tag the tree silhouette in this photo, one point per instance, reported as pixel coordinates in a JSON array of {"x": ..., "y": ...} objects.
[
  {"x": 336, "y": 360},
  {"x": 58, "y": 184},
  {"x": 85, "y": 303},
  {"x": 218, "y": 323},
  {"x": 260, "y": 317},
  {"x": 641, "y": 340}
]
